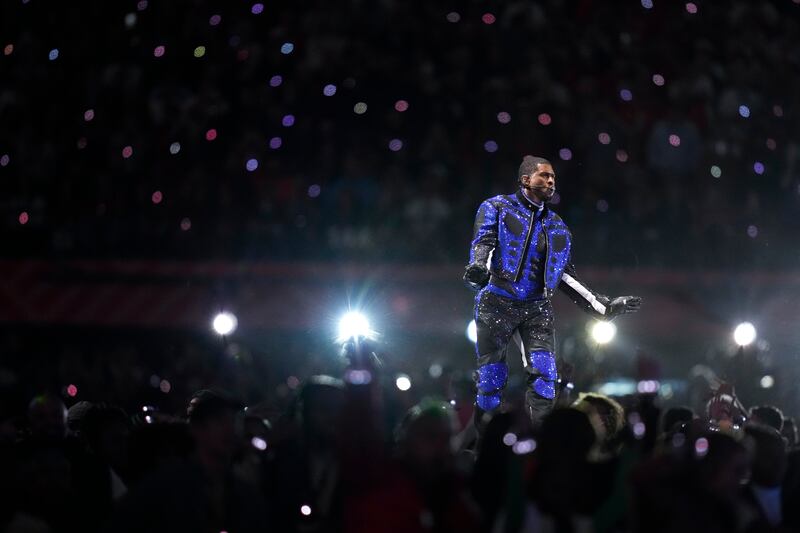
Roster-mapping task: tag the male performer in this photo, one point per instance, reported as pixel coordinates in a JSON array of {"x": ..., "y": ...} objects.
[{"x": 520, "y": 253}]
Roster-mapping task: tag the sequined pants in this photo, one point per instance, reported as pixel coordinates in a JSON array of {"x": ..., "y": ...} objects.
[{"x": 497, "y": 318}]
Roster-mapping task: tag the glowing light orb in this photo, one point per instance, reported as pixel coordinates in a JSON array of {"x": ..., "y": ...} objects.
[
  {"x": 603, "y": 332},
  {"x": 744, "y": 334},
  {"x": 472, "y": 332},
  {"x": 403, "y": 382},
  {"x": 224, "y": 323},
  {"x": 354, "y": 325}
]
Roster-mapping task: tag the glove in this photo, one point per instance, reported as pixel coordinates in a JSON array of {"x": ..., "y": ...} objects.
[
  {"x": 476, "y": 276},
  {"x": 622, "y": 305}
]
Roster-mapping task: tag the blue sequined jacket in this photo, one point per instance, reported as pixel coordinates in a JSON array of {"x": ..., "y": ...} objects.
[{"x": 504, "y": 227}]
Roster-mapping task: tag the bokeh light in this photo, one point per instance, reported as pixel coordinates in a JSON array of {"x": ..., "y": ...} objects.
[
  {"x": 127, "y": 152},
  {"x": 758, "y": 167},
  {"x": 287, "y": 121},
  {"x": 403, "y": 382},
  {"x": 257, "y": 9},
  {"x": 488, "y": 18},
  {"x": 716, "y": 171},
  {"x": 287, "y": 48},
  {"x": 8, "y": 50},
  {"x": 53, "y": 55},
  {"x": 744, "y": 111},
  {"x": 658, "y": 79},
  {"x": 142, "y": 5},
  {"x": 565, "y": 154},
  {"x": 602, "y": 206},
  {"x": 472, "y": 332},
  {"x": 767, "y": 382},
  {"x": 156, "y": 197},
  {"x": 329, "y": 90},
  {"x": 314, "y": 190},
  {"x": 490, "y": 146},
  {"x": 395, "y": 145},
  {"x": 626, "y": 95},
  {"x": 211, "y": 134},
  {"x": 771, "y": 144},
  {"x": 777, "y": 110},
  {"x": 752, "y": 231},
  {"x": 622, "y": 156},
  {"x": 275, "y": 143},
  {"x": 544, "y": 119},
  {"x": 159, "y": 50},
  {"x": 453, "y": 17},
  {"x": 305, "y": 510},
  {"x": 23, "y": 218},
  {"x": 503, "y": 117},
  {"x": 72, "y": 390},
  {"x": 174, "y": 148},
  {"x": 691, "y": 8},
  {"x": 186, "y": 224},
  {"x": 251, "y": 164},
  {"x": 401, "y": 106},
  {"x": 214, "y": 20},
  {"x": 360, "y": 108},
  {"x": 275, "y": 81},
  {"x": 674, "y": 140},
  {"x": 4, "y": 160},
  {"x": 88, "y": 115},
  {"x": 604, "y": 138},
  {"x": 165, "y": 386},
  {"x": 647, "y": 4},
  {"x": 200, "y": 51}
]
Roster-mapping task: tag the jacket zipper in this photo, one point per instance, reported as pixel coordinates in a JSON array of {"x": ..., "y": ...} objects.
[
  {"x": 547, "y": 292},
  {"x": 524, "y": 256}
]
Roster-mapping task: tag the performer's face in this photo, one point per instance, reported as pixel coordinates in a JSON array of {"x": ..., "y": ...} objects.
[{"x": 545, "y": 178}]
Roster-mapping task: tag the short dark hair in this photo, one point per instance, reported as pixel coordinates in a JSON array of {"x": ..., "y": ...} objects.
[
  {"x": 768, "y": 415},
  {"x": 211, "y": 403},
  {"x": 529, "y": 165}
]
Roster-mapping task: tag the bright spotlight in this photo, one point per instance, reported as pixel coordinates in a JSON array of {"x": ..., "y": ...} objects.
[
  {"x": 352, "y": 326},
  {"x": 472, "y": 332},
  {"x": 744, "y": 334},
  {"x": 403, "y": 382},
  {"x": 225, "y": 323},
  {"x": 603, "y": 332}
]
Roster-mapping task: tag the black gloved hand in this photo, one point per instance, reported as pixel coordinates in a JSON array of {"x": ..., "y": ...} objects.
[
  {"x": 622, "y": 305},
  {"x": 476, "y": 276}
]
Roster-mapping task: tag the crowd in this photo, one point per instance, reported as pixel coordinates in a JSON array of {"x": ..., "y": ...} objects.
[
  {"x": 145, "y": 129},
  {"x": 344, "y": 455}
]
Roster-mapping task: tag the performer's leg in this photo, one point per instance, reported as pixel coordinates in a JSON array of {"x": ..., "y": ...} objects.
[
  {"x": 495, "y": 321},
  {"x": 538, "y": 337}
]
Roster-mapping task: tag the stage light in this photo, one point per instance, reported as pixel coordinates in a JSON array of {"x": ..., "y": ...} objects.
[
  {"x": 225, "y": 323},
  {"x": 472, "y": 332},
  {"x": 403, "y": 382},
  {"x": 354, "y": 325},
  {"x": 603, "y": 332},
  {"x": 744, "y": 334}
]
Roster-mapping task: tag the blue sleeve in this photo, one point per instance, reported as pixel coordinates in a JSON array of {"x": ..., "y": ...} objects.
[{"x": 484, "y": 238}]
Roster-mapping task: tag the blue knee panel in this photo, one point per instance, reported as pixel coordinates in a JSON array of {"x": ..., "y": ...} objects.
[
  {"x": 492, "y": 377},
  {"x": 544, "y": 364},
  {"x": 491, "y": 380}
]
